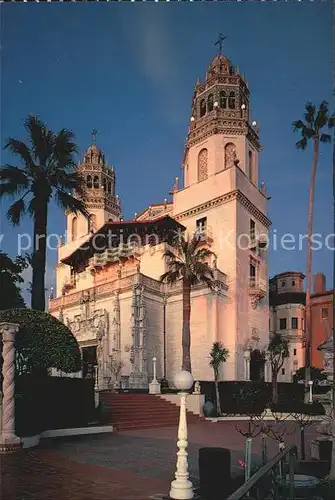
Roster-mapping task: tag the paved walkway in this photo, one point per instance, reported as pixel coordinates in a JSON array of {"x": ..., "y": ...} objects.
[{"x": 126, "y": 466}]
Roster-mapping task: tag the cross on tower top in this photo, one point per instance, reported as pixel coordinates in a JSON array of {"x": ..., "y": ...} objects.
[
  {"x": 94, "y": 136},
  {"x": 219, "y": 42}
]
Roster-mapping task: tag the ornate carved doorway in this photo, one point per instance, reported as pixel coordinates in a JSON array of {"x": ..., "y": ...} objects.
[{"x": 89, "y": 361}]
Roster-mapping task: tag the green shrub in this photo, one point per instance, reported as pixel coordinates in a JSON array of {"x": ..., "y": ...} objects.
[{"x": 42, "y": 342}]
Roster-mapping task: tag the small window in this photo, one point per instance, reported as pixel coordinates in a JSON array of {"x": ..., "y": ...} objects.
[
  {"x": 293, "y": 283},
  {"x": 283, "y": 283},
  {"x": 282, "y": 324},
  {"x": 294, "y": 323},
  {"x": 96, "y": 182},
  {"x": 223, "y": 99},
  {"x": 294, "y": 352},
  {"x": 231, "y": 100},
  {"x": 201, "y": 223},
  {"x": 324, "y": 313},
  {"x": 252, "y": 271},
  {"x": 283, "y": 371},
  {"x": 252, "y": 228}
]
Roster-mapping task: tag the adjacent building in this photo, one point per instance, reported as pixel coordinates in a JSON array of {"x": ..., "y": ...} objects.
[{"x": 287, "y": 317}]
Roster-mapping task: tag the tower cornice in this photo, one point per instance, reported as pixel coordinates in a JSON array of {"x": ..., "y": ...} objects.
[{"x": 212, "y": 125}]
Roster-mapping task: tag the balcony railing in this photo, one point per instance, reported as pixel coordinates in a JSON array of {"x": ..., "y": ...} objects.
[
  {"x": 205, "y": 233},
  {"x": 275, "y": 480},
  {"x": 113, "y": 255},
  {"x": 257, "y": 284},
  {"x": 257, "y": 240},
  {"x": 70, "y": 283}
]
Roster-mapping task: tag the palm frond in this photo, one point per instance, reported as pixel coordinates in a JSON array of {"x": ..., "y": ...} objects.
[
  {"x": 41, "y": 139},
  {"x": 309, "y": 113},
  {"x": 168, "y": 254},
  {"x": 65, "y": 149},
  {"x": 302, "y": 144},
  {"x": 19, "y": 148},
  {"x": 325, "y": 138},
  {"x": 170, "y": 277},
  {"x": 204, "y": 253},
  {"x": 331, "y": 121},
  {"x": 298, "y": 125},
  {"x": 13, "y": 180},
  {"x": 68, "y": 202},
  {"x": 322, "y": 116},
  {"x": 16, "y": 211}
]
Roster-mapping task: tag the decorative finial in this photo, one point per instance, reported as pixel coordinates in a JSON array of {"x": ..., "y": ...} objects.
[
  {"x": 94, "y": 136},
  {"x": 219, "y": 42}
]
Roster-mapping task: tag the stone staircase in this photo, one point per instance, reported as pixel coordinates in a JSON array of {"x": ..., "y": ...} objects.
[{"x": 140, "y": 411}]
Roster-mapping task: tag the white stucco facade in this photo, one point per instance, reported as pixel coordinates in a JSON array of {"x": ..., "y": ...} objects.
[{"x": 121, "y": 308}]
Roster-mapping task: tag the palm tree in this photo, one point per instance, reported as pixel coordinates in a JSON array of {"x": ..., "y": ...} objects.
[
  {"x": 218, "y": 355},
  {"x": 279, "y": 351},
  {"x": 47, "y": 171},
  {"x": 187, "y": 262},
  {"x": 312, "y": 128},
  {"x": 332, "y": 467}
]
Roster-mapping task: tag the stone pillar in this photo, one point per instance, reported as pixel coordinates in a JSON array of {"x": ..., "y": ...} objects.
[
  {"x": 8, "y": 440},
  {"x": 247, "y": 364}
]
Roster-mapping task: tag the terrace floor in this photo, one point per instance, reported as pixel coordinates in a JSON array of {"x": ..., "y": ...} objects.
[{"x": 120, "y": 466}]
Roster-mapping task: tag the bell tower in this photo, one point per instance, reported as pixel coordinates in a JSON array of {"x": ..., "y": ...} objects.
[
  {"x": 220, "y": 134},
  {"x": 101, "y": 201}
]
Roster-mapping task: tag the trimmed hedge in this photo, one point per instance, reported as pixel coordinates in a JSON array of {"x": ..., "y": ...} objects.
[
  {"x": 44, "y": 403},
  {"x": 244, "y": 397}
]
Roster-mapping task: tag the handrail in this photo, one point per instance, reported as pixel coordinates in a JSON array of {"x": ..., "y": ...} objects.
[{"x": 272, "y": 468}]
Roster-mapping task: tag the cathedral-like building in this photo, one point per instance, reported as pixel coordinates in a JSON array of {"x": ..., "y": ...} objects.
[{"x": 108, "y": 288}]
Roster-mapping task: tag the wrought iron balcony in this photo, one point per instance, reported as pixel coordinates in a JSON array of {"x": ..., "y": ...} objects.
[{"x": 205, "y": 234}]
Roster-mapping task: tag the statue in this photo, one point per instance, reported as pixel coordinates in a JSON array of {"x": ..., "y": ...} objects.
[{"x": 197, "y": 388}]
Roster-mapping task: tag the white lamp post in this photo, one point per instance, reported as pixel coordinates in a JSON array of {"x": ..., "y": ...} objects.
[
  {"x": 181, "y": 487},
  {"x": 310, "y": 383},
  {"x": 154, "y": 386}
]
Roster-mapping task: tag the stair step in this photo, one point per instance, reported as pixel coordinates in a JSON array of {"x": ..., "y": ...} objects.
[{"x": 141, "y": 411}]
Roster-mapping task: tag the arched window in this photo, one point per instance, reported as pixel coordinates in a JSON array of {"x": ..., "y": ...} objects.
[
  {"x": 231, "y": 100},
  {"x": 104, "y": 184},
  {"x": 74, "y": 227},
  {"x": 223, "y": 99},
  {"x": 89, "y": 181},
  {"x": 92, "y": 223},
  {"x": 202, "y": 165},
  {"x": 210, "y": 103},
  {"x": 229, "y": 155},
  {"x": 96, "y": 182},
  {"x": 202, "y": 107},
  {"x": 109, "y": 187}
]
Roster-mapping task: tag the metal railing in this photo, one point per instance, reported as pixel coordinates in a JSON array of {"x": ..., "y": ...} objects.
[{"x": 274, "y": 480}]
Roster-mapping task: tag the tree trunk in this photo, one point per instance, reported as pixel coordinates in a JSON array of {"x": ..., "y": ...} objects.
[
  {"x": 274, "y": 387},
  {"x": 186, "y": 334},
  {"x": 217, "y": 392},
  {"x": 308, "y": 326},
  {"x": 39, "y": 256}
]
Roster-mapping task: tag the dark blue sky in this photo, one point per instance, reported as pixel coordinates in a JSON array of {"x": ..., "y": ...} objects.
[{"x": 129, "y": 71}]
